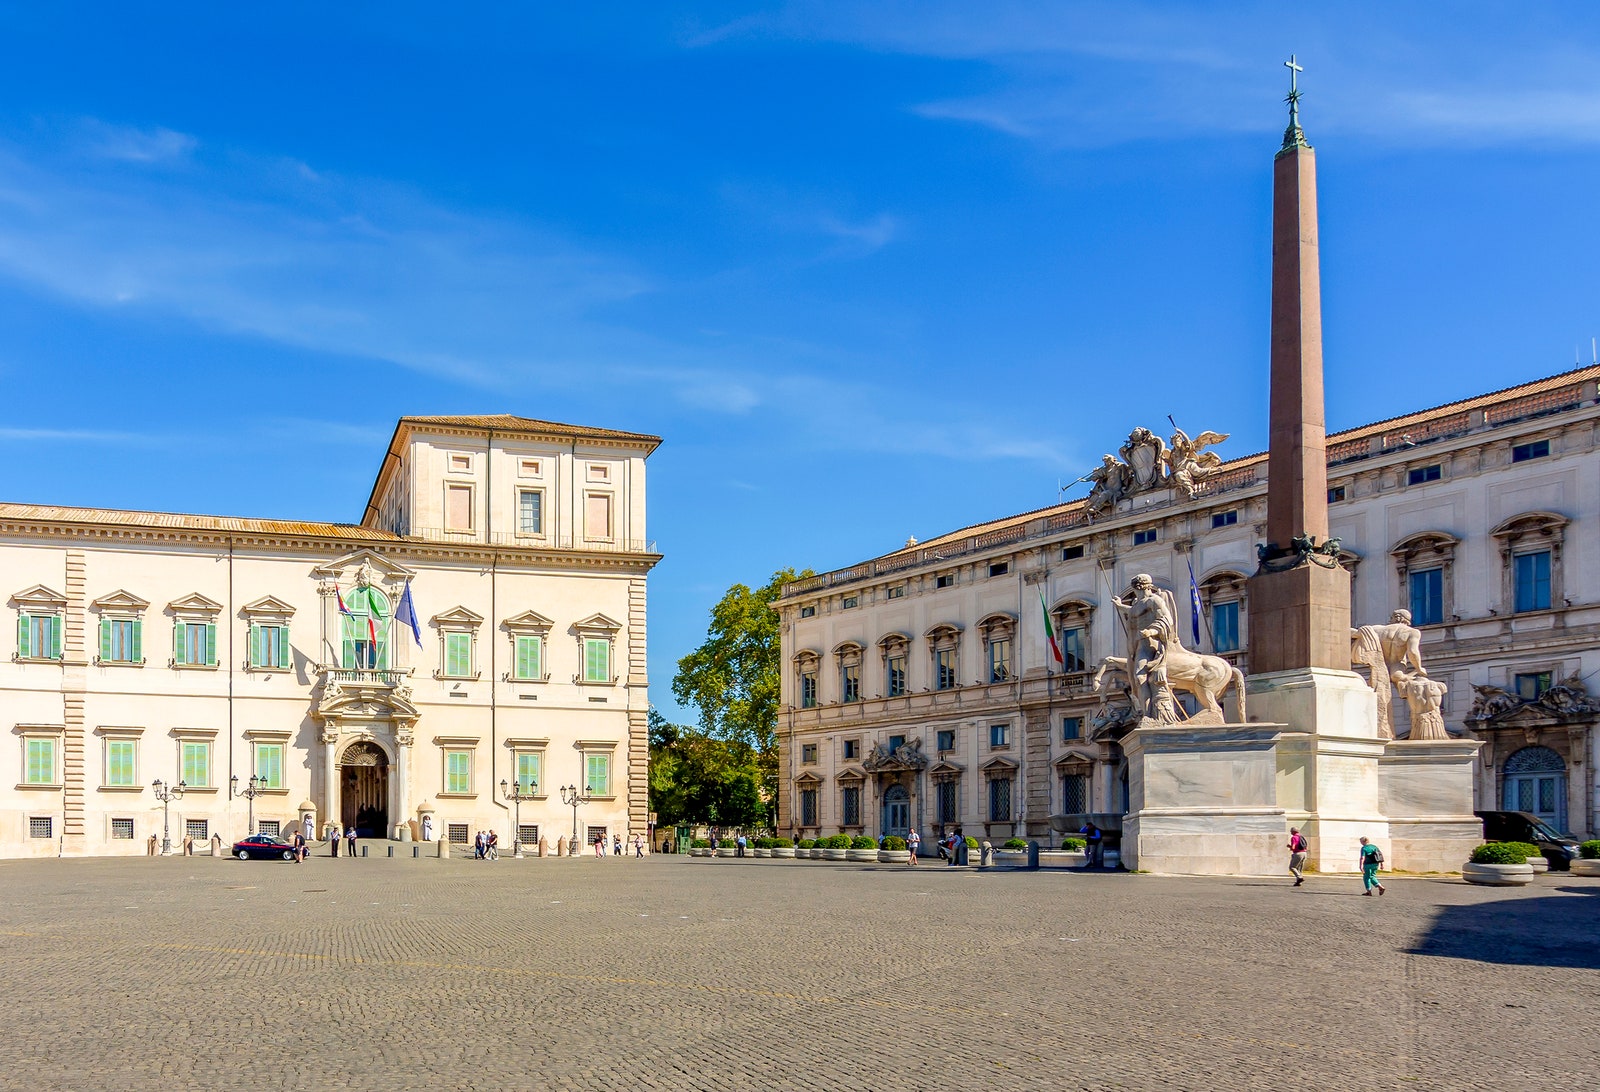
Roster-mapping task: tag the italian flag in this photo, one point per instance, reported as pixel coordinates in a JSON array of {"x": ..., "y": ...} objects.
[{"x": 1050, "y": 634}]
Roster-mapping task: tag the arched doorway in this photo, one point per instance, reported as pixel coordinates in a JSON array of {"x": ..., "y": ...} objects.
[
  {"x": 1536, "y": 781},
  {"x": 896, "y": 811},
  {"x": 364, "y": 779}
]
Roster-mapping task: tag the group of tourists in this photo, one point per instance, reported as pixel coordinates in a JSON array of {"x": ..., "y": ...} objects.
[
  {"x": 1369, "y": 859},
  {"x": 348, "y": 835},
  {"x": 486, "y": 846},
  {"x": 617, "y": 848}
]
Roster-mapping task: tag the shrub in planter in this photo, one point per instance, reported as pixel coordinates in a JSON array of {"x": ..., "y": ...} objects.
[
  {"x": 700, "y": 843},
  {"x": 1014, "y": 844},
  {"x": 782, "y": 843},
  {"x": 1504, "y": 853},
  {"x": 972, "y": 843},
  {"x": 807, "y": 843},
  {"x": 862, "y": 841},
  {"x": 894, "y": 842},
  {"x": 837, "y": 841},
  {"x": 1074, "y": 844},
  {"x": 1590, "y": 851}
]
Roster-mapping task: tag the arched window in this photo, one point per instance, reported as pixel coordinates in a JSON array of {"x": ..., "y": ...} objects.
[
  {"x": 364, "y": 627},
  {"x": 1536, "y": 782}
]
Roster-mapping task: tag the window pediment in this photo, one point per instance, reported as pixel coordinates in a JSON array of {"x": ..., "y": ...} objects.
[
  {"x": 850, "y": 773},
  {"x": 894, "y": 641},
  {"x": 597, "y": 624},
  {"x": 1544, "y": 524},
  {"x": 945, "y": 633},
  {"x": 999, "y": 764},
  {"x": 945, "y": 770},
  {"x": 39, "y": 598},
  {"x": 526, "y": 743},
  {"x": 998, "y": 624},
  {"x": 847, "y": 648},
  {"x": 808, "y": 779},
  {"x": 377, "y": 565},
  {"x": 1424, "y": 542},
  {"x": 457, "y": 620},
  {"x": 121, "y": 602},
  {"x": 807, "y": 658},
  {"x": 269, "y": 607},
  {"x": 195, "y": 605},
  {"x": 529, "y": 621}
]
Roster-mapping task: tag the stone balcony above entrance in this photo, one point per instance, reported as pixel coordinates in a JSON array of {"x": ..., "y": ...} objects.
[{"x": 361, "y": 676}]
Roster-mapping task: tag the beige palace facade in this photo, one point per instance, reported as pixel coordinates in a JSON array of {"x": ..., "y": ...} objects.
[
  {"x": 919, "y": 690},
  {"x": 150, "y": 646}
]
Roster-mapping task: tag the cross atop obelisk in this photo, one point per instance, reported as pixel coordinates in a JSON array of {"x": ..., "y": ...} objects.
[{"x": 1293, "y": 136}]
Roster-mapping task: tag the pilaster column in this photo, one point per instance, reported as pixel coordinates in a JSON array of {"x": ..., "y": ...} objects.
[
  {"x": 403, "y": 739},
  {"x": 330, "y": 773}
]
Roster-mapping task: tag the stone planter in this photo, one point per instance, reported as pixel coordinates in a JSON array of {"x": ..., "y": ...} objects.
[
  {"x": 762, "y": 851},
  {"x": 815, "y": 853},
  {"x": 1586, "y": 868},
  {"x": 699, "y": 851},
  {"x": 1111, "y": 858},
  {"x": 1011, "y": 858},
  {"x": 786, "y": 852},
  {"x": 836, "y": 855},
  {"x": 1540, "y": 865},
  {"x": 1497, "y": 875},
  {"x": 727, "y": 851},
  {"x": 862, "y": 856},
  {"x": 894, "y": 856}
]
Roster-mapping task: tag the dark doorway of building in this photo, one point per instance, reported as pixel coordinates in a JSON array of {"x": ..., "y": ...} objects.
[
  {"x": 896, "y": 811},
  {"x": 364, "y": 802}
]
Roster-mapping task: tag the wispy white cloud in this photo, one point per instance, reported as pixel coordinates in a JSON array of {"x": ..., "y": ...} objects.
[
  {"x": 865, "y": 236},
  {"x": 77, "y": 436},
  {"x": 133, "y": 145}
]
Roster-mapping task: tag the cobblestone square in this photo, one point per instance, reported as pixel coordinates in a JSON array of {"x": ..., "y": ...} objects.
[{"x": 675, "y": 973}]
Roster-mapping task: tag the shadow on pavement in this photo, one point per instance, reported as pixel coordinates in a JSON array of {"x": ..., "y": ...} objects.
[{"x": 1547, "y": 931}]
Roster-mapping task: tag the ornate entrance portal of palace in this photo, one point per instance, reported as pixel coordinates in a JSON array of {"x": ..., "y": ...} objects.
[
  {"x": 896, "y": 811},
  {"x": 364, "y": 790}
]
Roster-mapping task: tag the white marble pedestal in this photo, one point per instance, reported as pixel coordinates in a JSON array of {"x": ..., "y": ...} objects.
[{"x": 1428, "y": 797}]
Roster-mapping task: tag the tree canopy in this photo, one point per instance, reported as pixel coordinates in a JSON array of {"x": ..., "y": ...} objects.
[{"x": 697, "y": 779}]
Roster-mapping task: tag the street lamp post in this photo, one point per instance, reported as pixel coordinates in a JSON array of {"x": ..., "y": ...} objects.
[
  {"x": 573, "y": 797},
  {"x": 256, "y": 786},
  {"x": 166, "y": 794},
  {"x": 514, "y": 792}
]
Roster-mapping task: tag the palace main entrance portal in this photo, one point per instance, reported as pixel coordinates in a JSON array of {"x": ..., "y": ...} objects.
[{"x": 364, "y": 784}]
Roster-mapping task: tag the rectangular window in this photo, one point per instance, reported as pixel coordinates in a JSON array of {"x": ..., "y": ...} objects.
[
  {"x": 528, "y": 834},
  {"x": 1532, "y": 684},
  {"x": 1144, "y": 538},
  {"x": 1538, "y": 449},
  {"x": 529, "y": 663},
  {"x": 808, "y": 612},
  {"x": 945, "y": 581},
  {"x": 458, "y": 834},
  {"x": 852, "y": 749},
  {"x": 999, "y": 735},
  {"x": 1074, "y": 794},
  {"x": 38, "y": 636},
  {"x": 1071, "y": 553},
  {"x": 808, "y": 690},
  {"x": 269, "y": 646},
  {"x": 1000, "y": 660},
  {"x": 458, "y": 507},
  {"x": 458, "y": 772},
  {"x": 196, "y": 757},
  {"x": 121, "y": 640},
  {"x": 122, "y": 830},
  {"x": 808, "y": 807},
  {"x": 850, "y": 806},
  {"x": 945, "y": 668},
  {"x": 1417, "y": 475},
  {"x": 458, "y": 655},
  {"x": 1427, "y": 597},
  {"x": 530, "y": 511},
  {"x": 269, "y": 826},
  {"x": 1071, "y": 728},
  {"x": 1335, "y": 493},
  {"x": 269, "y": 764},
  {"x": 120, "y": 771},
  {"x": 946, "y": 802},
  {"x": 1224, "y": 519},
  {"x": 1000, "y": 800},
  {"x": 40, "y": 826},
  {"x": 808, "y": 754},
  {"x": 198, "y": 829},
  {"x": 897, "y": 592},
  {"x": 896, "y": 742},
  {"x": 597, "y": 517},
  {"x": 1225, "y": 626},
  {"x": 41, "y": 762},
  {"x": 999, "y": 568},
  {"x": 597, "y": 774},
  {"x": 529, "y": 768},
  {"x": 194, "y": 644},
  {"x": 897, "y": 676},
  {"x": 1531, "y": 576},
  {"x": 596, "y": 660},
  {"x": 850, "y": 602},
  {"x": 1072, "y": 650},
  {"x": 945, "y": 740},
  {"x": 850, "y": 682}
]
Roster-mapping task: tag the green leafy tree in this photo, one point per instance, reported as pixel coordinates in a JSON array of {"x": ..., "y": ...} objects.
[{"x": 697, "y": 779}]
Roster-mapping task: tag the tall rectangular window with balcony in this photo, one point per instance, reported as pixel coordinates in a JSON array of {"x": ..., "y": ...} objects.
[
  {"x": 1073, "y": 657},
  {"x": 896, "y": 676},
  {"x": 530, "y": 511},
  {"x": 1427, "y": 597},
  {"x": 808, "y": 690},
  {"x": 850, "y": 806},
  {"x": 1530, "y": 574},
  {"x": 1000, "y": 660},
  {"x": 947, "y": 801},
  {"x": 1225, "y": 626},
  {"x": 945, "y": 669},
  {"x": 1000, "y": 800},
  {"x": 850, "y": 682},
  {"x": 808, "y": 807}
]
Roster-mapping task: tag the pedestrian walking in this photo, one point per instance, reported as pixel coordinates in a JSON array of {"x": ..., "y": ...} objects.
[
  {"x": 616, "y": 845},
  {"x": 491, "y": 846},
  {"x": 913, "y": 840},
  {"x": 638, "y": 846},
  {"x": 477, "y": 846},
  {"x": 350, "y": 840},
  {"x": 1371, "y": 859},
  {"x": 333, "y": 839},
  {"x": 1297, "y": 855},
  {"x": 299, "y": 848},
  {"x": 1094, "y": 840}
]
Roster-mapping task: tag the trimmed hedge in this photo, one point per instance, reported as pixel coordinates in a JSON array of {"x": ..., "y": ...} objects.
[
  {"x": 782, "y": 843},
  {"x": 1590, "y": 851},
  {"x": 1504, "y": 853},
  {"x": 839, "y": 841},
  {"x": 895, "y": 842},
  {"x": 972, "y": 843},
  {"x": 807, "y": 843},
  {"x": 1014, "y": 843},
  {"x": 761, "y": 843},
  {"x": 863, "y": 841},
  {"x": 1073, "y": 844}
]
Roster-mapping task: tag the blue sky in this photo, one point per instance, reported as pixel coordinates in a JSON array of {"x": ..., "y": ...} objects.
[{"x": 872, "y": 270}]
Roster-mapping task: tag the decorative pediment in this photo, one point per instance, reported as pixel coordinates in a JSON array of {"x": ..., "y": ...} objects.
[
  {"x": 356, "y": 704},
  {"x": 195, "y": 603},
  {"x": 907, "y": 756},
  {"x": 1545, "y": 524},
  {"x": 894, "y": 641},
  {"x": 999, "y": 622},
  {"x": 121, "y": 602},
  {"x": 945, "y": 770},
  {"x": 847, "y": 647},
  {"x": 1074, "y": 762},
  {"x": 809, "y": 779},
  {"x": 850, "y": 773},
  {"x": 529, "y": 621},
  {"x": 999, "y": 764},
  {"x": 807, "y": 657},
  {"x": 269, "y": 606},
  {"x": 944, "y": 631},
  {"x": 377, "y": 566},
  {"x": 597, "y": 623},
  {"x": 1439, "y": 543},
  {"x": 458, "y": 618},
  {"x": 39, "y": 598}
]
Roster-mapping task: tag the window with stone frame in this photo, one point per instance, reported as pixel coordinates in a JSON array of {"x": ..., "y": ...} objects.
[
  {"x": 850, "y": 802},
  {"x": 41, "y": 620},
  {"x": 999, "y": 798},
  {"x": 194, "y": 631},
  {"x": 1531, "y": 547},
  {"x": 1425, "y": 570},
  {"x": 267, "y": 645},
  {"x": 805, "y": 664},
  {"x": 848, "y": 656},
  {"x": 808, "y": 807},
  {"x": 458, "y": 643},
  {"x": 41, "y": 755},
  {"x": 121, "y": 629},
  {"x": 998, "y": 631},
  {"x": 1071, "y": 619},
  {"x": 896, "y": 651},
  {"x": 597, "y": 638},
  {"x": 808, "y": 754},
  {"x": 529, "y": 633},
  {"x": 1222, "y": 606},
  {"x": 947, "y": 799},
  {"x": 944, "y": 644}
]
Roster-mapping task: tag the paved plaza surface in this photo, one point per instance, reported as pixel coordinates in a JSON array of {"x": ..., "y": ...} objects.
[{"x": 676, "y": 973}]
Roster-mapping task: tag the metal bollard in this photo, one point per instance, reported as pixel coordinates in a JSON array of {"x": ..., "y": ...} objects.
[
  {"x": 1033, "y": 856},
  {"x": 416, "y": 851}
]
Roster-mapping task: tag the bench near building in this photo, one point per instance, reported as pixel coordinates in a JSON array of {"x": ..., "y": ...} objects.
[
  {"x": 482, "y": 625},
  {"x": 919, "y": 687}
]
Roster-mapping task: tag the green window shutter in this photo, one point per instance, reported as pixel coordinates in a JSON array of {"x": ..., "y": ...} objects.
[
  {"x": 119, "y": 762},
  {"x": 599, "y": 775},
  {"x": 256, "y": 659},
  {"x": 211, "y": 643},
  {"x": 105, "y": 638},
  {"x": 596, "y": 660},
  {"x": 55, "y": 636},
  {"x": 528, "y": 772},
  {"x": 137, "y": 655},
  {"x": 524, "y": 668},
  {"x": 180, "y": 634},
  {"x": 22, "y": 636}
]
